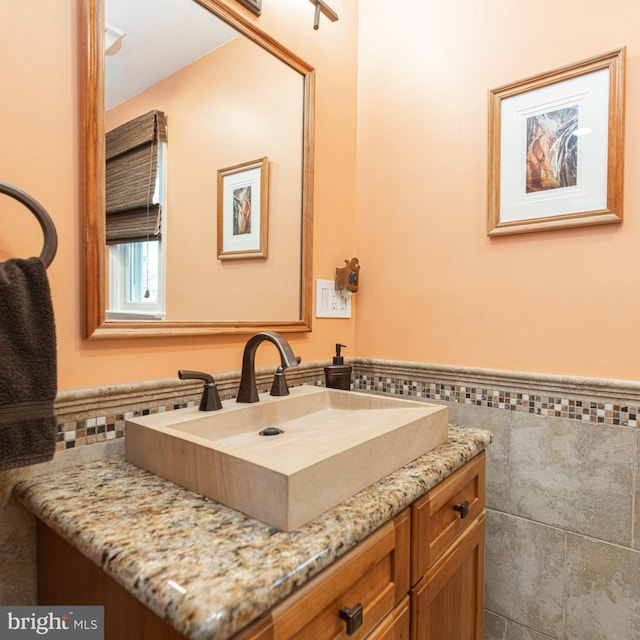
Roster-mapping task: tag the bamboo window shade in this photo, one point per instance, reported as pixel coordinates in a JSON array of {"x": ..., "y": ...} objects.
[{"x": 131, "y": 174}]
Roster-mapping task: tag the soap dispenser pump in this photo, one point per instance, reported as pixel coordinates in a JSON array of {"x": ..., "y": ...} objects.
[{"x": 338, "y": 374}]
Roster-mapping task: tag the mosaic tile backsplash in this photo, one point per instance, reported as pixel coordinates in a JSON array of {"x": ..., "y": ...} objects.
[
  {"x": 544, "y": 405},
  {"x": 604, "y": 402},
  {"x": 92, "y": 430}
]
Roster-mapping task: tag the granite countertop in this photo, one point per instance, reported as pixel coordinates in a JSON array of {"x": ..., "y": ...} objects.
[{"x": 205, "y": 568}]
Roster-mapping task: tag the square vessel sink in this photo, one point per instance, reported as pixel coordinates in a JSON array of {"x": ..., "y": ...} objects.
[{"x": 329, "y": 445}]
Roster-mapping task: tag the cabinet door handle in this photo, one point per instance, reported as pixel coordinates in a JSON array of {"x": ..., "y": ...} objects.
[
  {"x": 353, "y": 617},
  {"x": 462, "y": 509}
]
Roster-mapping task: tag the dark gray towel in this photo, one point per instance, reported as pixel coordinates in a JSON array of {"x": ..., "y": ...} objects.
[{"x": 28, "y": 364}]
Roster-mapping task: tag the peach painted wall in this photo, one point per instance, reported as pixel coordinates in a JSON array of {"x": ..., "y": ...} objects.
[
  {"x": 218, "y": 118},
  {"x": 39, "y": 129},
  {"x": 435, "y": 288}
]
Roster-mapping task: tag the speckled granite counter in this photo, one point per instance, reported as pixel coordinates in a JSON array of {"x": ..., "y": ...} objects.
[{"x": 207, "y": 569}]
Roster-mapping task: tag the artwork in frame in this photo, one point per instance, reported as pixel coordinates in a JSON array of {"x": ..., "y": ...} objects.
[
  {"x": 556, "y": 148},
  {"x": 255, "y": 6},
  {"x": 243, "y": 210}
]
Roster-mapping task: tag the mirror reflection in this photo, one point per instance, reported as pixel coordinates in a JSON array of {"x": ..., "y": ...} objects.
[{"x": 207, "y": 137}]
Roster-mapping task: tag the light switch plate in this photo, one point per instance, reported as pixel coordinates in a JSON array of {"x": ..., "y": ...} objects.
[{"x": 329, "y": 302}]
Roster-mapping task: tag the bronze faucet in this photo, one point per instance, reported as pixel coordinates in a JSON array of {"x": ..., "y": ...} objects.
[{"x": 248, "y": 390}]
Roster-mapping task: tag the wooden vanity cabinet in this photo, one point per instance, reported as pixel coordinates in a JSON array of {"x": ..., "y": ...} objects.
[
  {"x": 447, "y": 557},
  {"x": 419, "y": 576}
]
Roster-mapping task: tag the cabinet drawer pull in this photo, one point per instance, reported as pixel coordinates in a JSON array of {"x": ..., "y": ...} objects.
[
  {"x": 462, "y": 509},
  {"x": 353, "y": 618}
]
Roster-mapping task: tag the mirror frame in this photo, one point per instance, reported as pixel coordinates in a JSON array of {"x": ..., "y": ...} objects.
[{"x": 94, "y": 254}]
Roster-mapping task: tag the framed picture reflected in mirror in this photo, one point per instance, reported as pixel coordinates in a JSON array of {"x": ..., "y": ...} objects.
[{"x": 243, "y": 210}]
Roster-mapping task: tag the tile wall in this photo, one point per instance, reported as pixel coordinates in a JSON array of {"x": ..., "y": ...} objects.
[{"x": 563, "y": 495}]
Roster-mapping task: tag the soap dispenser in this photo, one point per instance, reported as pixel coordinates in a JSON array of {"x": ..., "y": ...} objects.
[{"x": 338, "y": 374}]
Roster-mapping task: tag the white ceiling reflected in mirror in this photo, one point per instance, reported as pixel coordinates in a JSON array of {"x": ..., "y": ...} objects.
[
  {"x": 147, "y": 41},
  {"x": 229, "y": 94}
]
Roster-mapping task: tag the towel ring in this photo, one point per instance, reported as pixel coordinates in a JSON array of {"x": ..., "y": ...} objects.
[{"x": 48, "y": 228}]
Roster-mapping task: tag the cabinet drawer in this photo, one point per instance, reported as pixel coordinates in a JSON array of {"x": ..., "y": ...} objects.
[
  {"x": 373, "y": 576},
  {"x": 441, "y": 515}
]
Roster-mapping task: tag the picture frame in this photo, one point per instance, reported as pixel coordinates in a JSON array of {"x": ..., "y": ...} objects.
[
  {"x": 556, "y": 148},
  {"x": 255, "y": 6},
  {"x": 243, "y": 210}
]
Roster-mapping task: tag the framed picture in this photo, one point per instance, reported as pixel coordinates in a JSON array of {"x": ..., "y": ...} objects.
[
  {"x": 255, "y": 6},
  {"x": 243, "y": 210},
  {"x": 556, "y": 148}
]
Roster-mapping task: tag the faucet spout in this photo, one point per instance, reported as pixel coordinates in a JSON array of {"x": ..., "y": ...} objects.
[{"x": 248, "y": 390}]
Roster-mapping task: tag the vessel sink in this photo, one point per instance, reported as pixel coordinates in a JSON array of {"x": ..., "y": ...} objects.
[{"x": 327, "y": 446}]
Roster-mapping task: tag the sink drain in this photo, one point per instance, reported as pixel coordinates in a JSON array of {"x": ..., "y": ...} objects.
[{"x": 270, "y": 431}]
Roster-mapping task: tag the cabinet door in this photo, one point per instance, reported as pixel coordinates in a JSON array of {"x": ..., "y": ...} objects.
[
  {"x": 448, "y": 602},
  {"x": 395, "y": 626}
]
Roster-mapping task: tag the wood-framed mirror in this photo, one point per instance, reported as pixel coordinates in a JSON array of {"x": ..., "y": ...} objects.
[{"x": 264, "y": 280}]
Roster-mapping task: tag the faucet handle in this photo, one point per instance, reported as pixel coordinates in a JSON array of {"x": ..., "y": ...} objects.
[
  {"x": 210, "y": 398},
  {"x": 279, "y": 386}
]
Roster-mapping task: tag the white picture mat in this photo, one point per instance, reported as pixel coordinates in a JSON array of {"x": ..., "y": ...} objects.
[
  {"x": 246, "y": 241},
  {"x": 591, "y": 93}
]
